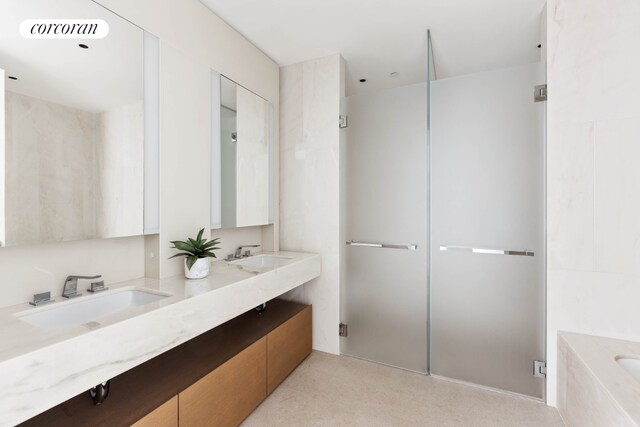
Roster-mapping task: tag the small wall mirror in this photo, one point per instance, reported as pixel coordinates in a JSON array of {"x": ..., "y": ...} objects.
[
  {"x": 246, "y": 156},
  {"x": 74, "y": 128}
]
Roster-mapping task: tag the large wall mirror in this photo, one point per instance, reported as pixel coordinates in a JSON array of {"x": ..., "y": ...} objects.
[
  {"x": 74, "y": 128},
  {"x": 246, "y": 157}
]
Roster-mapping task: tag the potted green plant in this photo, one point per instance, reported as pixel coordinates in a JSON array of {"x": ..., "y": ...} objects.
[{"x": 196, "y": 253}]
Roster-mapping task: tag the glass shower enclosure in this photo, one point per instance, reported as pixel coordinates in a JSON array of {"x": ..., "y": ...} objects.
[
  {"x": 487, "y": 229},
  {"x": 384, "y": 286},
  {"x": 442, "y": 268}
]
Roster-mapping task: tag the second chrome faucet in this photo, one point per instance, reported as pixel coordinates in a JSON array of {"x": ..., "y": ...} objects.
[
  {"x": 238, "y": 254},
  {"x": 70, "y": 289}
]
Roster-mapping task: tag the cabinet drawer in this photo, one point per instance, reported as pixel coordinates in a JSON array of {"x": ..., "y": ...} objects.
[
  {"x": 164, "y": 416},
  {"x": 287, "y": 346},
  {"x": 230, "y": 393}
]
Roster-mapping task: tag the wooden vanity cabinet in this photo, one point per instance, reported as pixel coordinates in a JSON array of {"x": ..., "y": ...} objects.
[
  {"x": 287, "y": 346},
  {"x": 229, "y": 394},
  {"x": 215, "y": 379},
  {"x": 164, "y": 416}
]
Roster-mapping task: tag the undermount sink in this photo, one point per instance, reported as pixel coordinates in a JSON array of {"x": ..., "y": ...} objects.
[
  {"x": 88, "y": 308},
  {"x": 262, "y": 261},
  {"x": 631, "y": 365}
]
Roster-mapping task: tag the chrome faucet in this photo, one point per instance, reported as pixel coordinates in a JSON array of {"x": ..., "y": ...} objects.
[
  {"x": 70, "y": 289},
  {"x": 238, "y": 253}
]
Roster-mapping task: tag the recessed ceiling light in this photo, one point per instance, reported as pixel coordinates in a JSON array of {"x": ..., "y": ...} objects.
[
  {"x": 394, "y": 74},
  {"x": 84, "y": 46},
  {"x": 13, "y": 77},
  {"x": 363, "y": 80}
]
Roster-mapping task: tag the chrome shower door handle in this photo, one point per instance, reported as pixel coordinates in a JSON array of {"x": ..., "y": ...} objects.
[
  {"x": 410, "y": 246},
  {"x": 517, "y": 252}
]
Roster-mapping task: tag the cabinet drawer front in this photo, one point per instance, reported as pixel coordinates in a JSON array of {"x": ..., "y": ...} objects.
[
  {"x": 229, "y": 394},
  {"x": 287, "y": 346},
  {"x": 164, "y": 416}
]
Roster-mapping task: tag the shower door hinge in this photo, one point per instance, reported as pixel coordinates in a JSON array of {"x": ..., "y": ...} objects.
[
  {"x": 540, "y": 369},
  {"x": 343, "y": 121},
  {"x": 343, "y": 330},
  {"x": 540, "y": 93}
]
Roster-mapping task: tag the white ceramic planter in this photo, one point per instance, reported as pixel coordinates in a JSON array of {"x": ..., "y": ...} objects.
[{"x": 199, "y": 270}]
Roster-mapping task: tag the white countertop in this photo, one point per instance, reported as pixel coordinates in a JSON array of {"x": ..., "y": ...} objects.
[
  {"x": 40, "y": 369},
  {"x": 599, "y": 356}
]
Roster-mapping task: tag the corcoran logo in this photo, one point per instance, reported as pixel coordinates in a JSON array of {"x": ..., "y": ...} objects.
[{"x": 64, "y": 28}]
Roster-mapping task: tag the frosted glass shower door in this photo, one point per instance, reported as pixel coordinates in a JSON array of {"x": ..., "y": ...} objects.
[
  {"x": 487, "y": 229},
  {"x": 384, "y": 203}
]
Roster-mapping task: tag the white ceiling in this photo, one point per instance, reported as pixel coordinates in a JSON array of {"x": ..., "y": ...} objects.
[
  {"x": 377, "y": 37},
  {"x": 106, "y": 75}
]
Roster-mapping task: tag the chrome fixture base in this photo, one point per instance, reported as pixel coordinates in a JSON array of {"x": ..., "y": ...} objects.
[
  {"x": 41, "y": 299},
  {"x": 72, "y": 295},
  {"x": 97, "y": 287}
]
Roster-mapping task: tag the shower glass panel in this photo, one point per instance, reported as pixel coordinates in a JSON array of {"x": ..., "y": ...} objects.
[
  {"x": 384, "y": 214},
  {"x": 487, "y": 196}
]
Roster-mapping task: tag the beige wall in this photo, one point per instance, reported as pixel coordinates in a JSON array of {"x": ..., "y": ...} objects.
[
  {"x": 593, "y": 281},
  {"x": 309, "y": 181},
  {"x": 185, "y": 152},
  {"x": 186, "y": 29}
]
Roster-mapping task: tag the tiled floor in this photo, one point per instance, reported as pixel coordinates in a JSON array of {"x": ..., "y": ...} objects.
[{"x": 329, "y": 390}]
